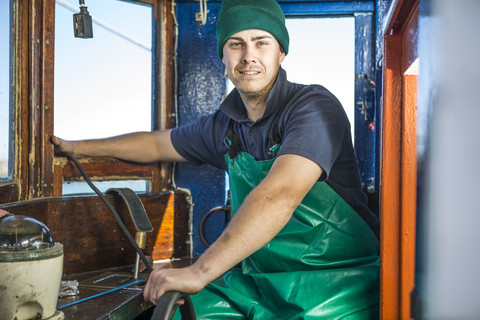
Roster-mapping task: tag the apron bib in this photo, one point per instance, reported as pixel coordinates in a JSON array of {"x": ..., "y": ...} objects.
[{"x": 324, "y": 264}]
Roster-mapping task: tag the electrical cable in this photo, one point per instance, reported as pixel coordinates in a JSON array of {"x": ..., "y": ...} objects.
[
  {"x": 112, "y": 209},
  {"x": 99, "y": 294}
]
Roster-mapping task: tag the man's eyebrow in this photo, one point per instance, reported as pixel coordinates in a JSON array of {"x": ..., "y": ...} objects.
[
  {"x": 261, "y": 37},
  {"x": 252, "y": 39},
  {"x": 235, "y": 38}
]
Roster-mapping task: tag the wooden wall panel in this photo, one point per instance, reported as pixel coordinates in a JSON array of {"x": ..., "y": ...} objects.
[{"x": 91, "y": 237}]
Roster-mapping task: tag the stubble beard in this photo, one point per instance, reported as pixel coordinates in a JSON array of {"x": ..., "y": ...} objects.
[{"x": 257, "y": 96}]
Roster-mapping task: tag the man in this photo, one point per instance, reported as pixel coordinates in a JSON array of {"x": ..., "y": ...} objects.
[{"x": 300, "y": 224}]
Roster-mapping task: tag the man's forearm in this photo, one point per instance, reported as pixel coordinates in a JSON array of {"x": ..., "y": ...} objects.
[
  {"x": 142, "y": 147},
  {"x": 132, "y": 147}
]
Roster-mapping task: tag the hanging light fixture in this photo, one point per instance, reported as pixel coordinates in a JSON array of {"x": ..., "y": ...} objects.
[{"x": 82, "y": 23}]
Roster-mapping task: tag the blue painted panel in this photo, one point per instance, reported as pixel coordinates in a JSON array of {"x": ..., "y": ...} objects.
[
  {"x": 365, "y": 113},
  {"x": 201, "y": 84},
  {"x": 302, "y": 7},
  {"x": 381, "y": 9},
  {"x": 327, "y": 8}
]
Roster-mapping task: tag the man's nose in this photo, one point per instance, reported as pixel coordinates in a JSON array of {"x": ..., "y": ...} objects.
[{"x": 249, "y": 54}]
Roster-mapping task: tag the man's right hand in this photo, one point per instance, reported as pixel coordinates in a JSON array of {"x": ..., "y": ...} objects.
[{"x": 62, "y": 145}]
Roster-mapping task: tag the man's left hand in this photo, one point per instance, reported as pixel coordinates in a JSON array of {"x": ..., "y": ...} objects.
[{"x": 184, "y": 280}]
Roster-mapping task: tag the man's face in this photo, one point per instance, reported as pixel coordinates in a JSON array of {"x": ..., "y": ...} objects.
[{"x": 252, "y": 59}]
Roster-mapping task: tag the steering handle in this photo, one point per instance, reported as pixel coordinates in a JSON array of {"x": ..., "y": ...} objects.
[{"x": 167, "y": 306}]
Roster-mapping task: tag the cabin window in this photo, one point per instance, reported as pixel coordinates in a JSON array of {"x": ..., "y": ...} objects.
[
  {"x": 327, "y": 58},
  {"x": 5, "y": 106},
  {"x": 103, "y": 84},
  {"x": 79, "y": 187}
]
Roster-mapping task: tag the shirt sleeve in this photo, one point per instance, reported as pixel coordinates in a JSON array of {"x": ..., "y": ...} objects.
[
  {"x": 316, "y": 127},
  {"x": 201, "y": 142}
]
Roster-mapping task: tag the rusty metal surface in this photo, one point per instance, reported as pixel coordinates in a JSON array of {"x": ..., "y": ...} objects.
[{"x": 127, "y": 303}]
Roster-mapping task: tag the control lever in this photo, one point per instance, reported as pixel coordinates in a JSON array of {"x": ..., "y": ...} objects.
[{"x": 139, "y": 218}]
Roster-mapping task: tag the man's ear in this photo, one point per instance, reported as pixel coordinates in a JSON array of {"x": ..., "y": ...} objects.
[{"x": 282, "y": 56}]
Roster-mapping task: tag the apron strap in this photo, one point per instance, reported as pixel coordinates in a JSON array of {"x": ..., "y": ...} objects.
[{"x": 232, "y": 142}]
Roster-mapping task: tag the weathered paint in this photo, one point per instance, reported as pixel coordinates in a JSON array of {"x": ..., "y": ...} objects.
[
  {"x": 309, "y": 7},
  {"x": 365, "y": 89},
  {"x": 200, "y": 87}
]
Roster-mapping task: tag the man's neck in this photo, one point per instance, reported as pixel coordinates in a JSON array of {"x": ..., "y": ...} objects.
[
  {"x": 256, "y": 103},
  {"x": 255, "y": 106}
]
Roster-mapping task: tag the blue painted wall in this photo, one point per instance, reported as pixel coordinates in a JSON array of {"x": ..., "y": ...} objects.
[
  {"x": 365, "y": 106},
  {"x": 201, "y": 84}
]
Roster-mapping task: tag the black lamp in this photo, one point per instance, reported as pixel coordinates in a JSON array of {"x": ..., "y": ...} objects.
[{"x": 82, "y": 23}]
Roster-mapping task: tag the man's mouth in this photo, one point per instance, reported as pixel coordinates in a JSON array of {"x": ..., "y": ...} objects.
[{"x": 249, "y": 72}]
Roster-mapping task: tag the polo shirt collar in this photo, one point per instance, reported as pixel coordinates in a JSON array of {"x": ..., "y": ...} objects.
[{"x": 233, "y": 106}]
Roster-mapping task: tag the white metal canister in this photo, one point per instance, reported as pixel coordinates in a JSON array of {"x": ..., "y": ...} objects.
[{"x": 31, "y": 265}]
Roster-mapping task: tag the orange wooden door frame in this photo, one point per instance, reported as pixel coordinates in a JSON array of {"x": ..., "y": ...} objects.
[{"x": 398, "y": 163}]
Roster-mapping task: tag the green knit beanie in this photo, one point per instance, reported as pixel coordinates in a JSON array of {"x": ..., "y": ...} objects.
[{"x": 239, "y": 15}]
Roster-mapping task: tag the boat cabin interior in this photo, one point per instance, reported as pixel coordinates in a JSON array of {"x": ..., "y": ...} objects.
[{"x": 142, "y": 65}]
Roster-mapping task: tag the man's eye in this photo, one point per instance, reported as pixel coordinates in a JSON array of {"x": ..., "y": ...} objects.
[
  {"x": 235, "y": 44},
  {"x": 262, "y": 43}
]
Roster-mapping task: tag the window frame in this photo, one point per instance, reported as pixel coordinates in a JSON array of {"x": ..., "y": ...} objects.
[{"x": 37, "y": 172}]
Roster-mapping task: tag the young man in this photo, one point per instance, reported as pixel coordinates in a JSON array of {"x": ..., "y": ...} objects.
[{"x": 301, "y": 228}]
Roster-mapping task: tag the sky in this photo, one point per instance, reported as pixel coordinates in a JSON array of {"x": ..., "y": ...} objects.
[
  {"x": 4, "y": 87},
  {"x": 103, "y": 84},
  {"x": 325, "y": 57}
]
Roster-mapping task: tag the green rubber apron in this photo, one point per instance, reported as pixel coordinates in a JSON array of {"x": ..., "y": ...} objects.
[{"x": 324, "y": 264}]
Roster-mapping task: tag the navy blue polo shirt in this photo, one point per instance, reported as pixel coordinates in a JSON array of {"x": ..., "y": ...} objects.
[{"x": 313, "y": 125}]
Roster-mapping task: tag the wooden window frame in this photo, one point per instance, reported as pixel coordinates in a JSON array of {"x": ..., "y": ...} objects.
[{"x": 37, "y": 172}]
